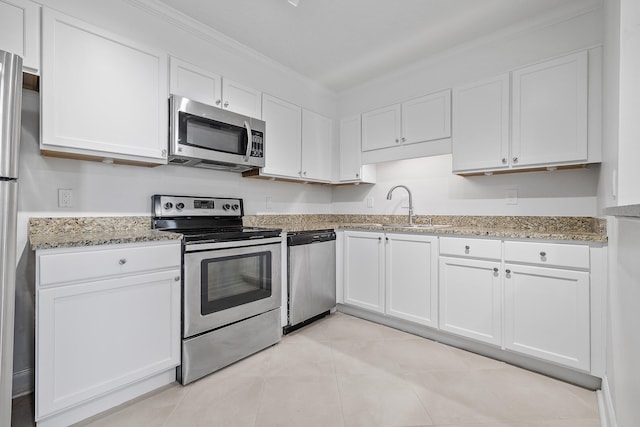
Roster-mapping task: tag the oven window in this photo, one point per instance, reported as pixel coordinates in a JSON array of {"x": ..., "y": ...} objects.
[
  {"x": 212, "y": 135},
  {"x": 235, "y": 280}
]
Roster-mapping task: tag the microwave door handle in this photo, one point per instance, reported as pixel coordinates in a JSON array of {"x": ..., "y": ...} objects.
[{"x": 249, "y": 141}]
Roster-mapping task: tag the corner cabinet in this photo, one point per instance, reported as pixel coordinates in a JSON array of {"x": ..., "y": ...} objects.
[
  {"x": 392, "y": 274},
  {"x": 103, "y": 97},
  {"x": 351, "y": 167},
  {"x": 20, "y": 32},
  {"x": 107, "y": 326}
]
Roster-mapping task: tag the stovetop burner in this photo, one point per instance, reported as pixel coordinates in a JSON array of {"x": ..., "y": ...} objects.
[{"x": 205, "y": 219}]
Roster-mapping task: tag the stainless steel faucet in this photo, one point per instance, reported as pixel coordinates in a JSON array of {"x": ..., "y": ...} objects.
[{"x": 410, "y": 200}]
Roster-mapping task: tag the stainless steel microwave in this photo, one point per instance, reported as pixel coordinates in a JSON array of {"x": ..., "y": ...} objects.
[{"x": 205, "y": 136}]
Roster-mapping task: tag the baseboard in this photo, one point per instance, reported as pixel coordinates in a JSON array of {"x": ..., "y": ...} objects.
[
  {"x": 23, "y": 382},
  {"x": 605, "y": 405}
]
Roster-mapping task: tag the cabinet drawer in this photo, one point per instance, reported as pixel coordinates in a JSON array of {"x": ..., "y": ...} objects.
[
  {"x": 57, "y": 266},
  {"x": 474, "y": 248},
  {"x": 573, "y": 256}
]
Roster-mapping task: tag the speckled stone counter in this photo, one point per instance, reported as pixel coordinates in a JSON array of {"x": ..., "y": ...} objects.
[
  {"x": 585, "y": 229},
  {"x": 50, "y": 233}
]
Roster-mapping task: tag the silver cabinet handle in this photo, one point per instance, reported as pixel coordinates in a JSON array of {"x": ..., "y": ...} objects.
[
  {"x": 386, "y": 238},
  {"x": 504, "y": 160},
  {"x": 218, "y": 102},
  {"x": 226, "y": 104},
  {"x": 466, "y": 248},
  {"x": 122, "y": 261},
  {"x": 543, "y": 254},
  {"x": 249, "y": 140},
  {"x": 507, "y": 271},
  {"x": 515, "y": 160},
  {"x": 397, "y": 140},
  {"x": 379, "y": 238},
  {"x": 304, "y": 173},
  {"x": 495, "y": 269},
  {"x": 403, "y": 139},
  {"x": 176, "y": 279},
  {"x": 357, "y": 175}
]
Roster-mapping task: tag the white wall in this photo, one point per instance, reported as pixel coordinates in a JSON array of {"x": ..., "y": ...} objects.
[{"x": 436, "y": 190}]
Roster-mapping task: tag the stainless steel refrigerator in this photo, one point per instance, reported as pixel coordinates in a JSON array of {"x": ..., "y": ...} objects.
[{"x": 10, "y": 111}]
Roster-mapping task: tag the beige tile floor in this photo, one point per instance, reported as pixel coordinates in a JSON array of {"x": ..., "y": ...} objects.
[{"x": 344, "y": 371}]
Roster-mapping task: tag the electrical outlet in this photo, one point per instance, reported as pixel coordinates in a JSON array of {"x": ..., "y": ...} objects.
[
  {"x": 511, "y": 197},
  {"x": 65, "y": 198},
  {"x": 370, "y": 202}
]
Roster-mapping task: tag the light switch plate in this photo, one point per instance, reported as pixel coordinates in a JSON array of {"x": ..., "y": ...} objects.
[{"x": 370, "y": 202}]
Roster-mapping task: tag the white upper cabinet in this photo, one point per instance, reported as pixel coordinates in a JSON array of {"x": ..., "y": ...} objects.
[
  {"x": 195, "y": 83},
  {"x": 481, "y": 125},
  {"x": 381, "y": 128},
  {"x": 421, "y": 119},
  {"x": 426, "y": 118},
  {"x": 241, "y": 99},
  {"x": 102, "y": 96},
  {"x": 550, "y": 112},
  {"x": 317, "y": 143},
  {"x": 351, "y": 167},
  {"x": 205, "y": 86},
  {"x": 282, "y": 137},
  {"x": 20, "y": 32},
  {"x": 553, "y": 120}
]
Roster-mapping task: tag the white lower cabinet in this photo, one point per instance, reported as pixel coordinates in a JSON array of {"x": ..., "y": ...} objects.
[
  {"x": 394, "y": 274},
  {"x": 411, "y": 267},
  {"x": 471, "y": 298},
  {"x": 364, "y": 270},
  {"x": 98, "y": 336},
  {"x": 547, "y": 314}
]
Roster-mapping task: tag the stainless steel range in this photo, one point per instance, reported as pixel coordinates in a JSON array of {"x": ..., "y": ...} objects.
[{"x": 231, "y": 286}]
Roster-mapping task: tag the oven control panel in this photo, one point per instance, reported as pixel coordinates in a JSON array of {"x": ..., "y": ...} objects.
[{"x": 179, "y": 206}]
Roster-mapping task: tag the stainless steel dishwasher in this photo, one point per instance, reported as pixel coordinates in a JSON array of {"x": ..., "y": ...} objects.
[{"x": 311, "y": 276}]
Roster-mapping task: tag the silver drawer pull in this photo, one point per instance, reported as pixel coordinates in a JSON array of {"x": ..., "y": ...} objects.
[
  {"x": 507, "y": 271},
  {"x": 495, "y": 269},
  {"x": 122, "y": 261},
  {"x": 176, "y": 279},
  {"x": 543, "y": 254},
  {"x": 466, "y": 248}
]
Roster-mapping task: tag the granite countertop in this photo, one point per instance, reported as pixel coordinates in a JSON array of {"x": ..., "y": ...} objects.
[
  {"x": 583, "y": 229},
  {"x": 50, "y": 233}
]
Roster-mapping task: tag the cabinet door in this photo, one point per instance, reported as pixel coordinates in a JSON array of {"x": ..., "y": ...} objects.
[
  {"x": 350, "y": 149},
  {"x": 471, "y": 299},
  {"x": 550, "y": 112},
  {"x": 381, "y": 128},
  {"x": 282, "y": 137},
  {"x": 427, "y": 118},
  {"x": 317, "y": 146},
  {"x": 94, "y": 337},
  {"x": 547, "y": 314},
  {"x": 480, "y": 137},
  {"x": 195, "y": 83},
  {"x": 241, "y": 99},
  {"x": 411, "y": 267},
  {"x": 20, "y": 32},
  {"x": 364, "y": 270},
  {"x": 102, "y": 95}
]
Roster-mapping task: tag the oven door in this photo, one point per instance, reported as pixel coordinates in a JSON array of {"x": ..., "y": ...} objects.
[{"x": 228, "y": 282}]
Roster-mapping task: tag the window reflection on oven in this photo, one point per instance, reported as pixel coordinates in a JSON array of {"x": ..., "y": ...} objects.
[{"x": 234, "y": 280}]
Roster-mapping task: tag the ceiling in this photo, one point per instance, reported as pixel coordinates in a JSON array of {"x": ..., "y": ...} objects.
[{"x": 342, "y": 43}]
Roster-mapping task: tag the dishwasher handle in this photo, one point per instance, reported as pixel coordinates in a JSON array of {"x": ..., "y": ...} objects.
[{"x": 310, "y": 238}]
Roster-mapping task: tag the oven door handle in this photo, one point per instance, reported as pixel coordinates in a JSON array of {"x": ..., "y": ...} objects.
[
  {"x": 249, "y": 141},
  {"x": 195, "y": 246}
]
